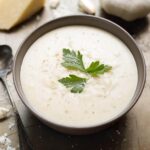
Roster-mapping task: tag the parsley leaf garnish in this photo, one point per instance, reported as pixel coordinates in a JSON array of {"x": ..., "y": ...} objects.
[
  {"x": 74, "y": 82},
  {"x": 73, "y": 60},
  {"x": 96, "y": 68}
]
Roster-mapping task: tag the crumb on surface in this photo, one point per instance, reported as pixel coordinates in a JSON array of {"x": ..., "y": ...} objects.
[{"x": 6, "y": 142}]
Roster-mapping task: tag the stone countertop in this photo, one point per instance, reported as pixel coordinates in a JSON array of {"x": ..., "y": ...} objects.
[{"x": 132, "y": 132}]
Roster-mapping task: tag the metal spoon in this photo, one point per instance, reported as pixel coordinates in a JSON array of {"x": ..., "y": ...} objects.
[
  {"x": 6, "y": 62},
  {"x": 6, "y": 67}
]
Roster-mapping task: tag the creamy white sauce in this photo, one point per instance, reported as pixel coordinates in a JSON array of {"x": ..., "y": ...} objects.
[{"x": 103, "y": 97}]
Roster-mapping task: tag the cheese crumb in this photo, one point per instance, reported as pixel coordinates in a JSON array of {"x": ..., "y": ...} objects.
[
  {"x": 3, "y": 113},
  {"x": 5, "y": 141}
]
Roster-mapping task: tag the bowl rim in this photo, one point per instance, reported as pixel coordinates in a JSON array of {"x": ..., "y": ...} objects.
[{"x": 38, "y": 115}]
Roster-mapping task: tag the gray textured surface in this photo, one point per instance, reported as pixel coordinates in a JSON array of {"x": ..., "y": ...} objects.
[{"x": 130, "y": 133}]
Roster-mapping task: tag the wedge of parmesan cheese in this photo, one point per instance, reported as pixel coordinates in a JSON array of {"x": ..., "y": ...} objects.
[{"x": 13, "y": 12}]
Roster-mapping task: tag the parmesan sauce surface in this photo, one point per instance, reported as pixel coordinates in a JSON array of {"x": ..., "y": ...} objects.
[{"x": 102, "y": 98}]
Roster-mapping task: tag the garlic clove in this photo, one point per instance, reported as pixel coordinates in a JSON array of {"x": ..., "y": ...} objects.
[
  {"x": 3, "y": 113},
  {"x": 54, "y": 3},
  {"x": 87, "y": 6}
]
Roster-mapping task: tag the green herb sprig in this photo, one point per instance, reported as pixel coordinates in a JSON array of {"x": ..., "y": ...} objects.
[
  {"x": 74, "y": 82},
  {"x": 96, "y": 68},
  {"x": 74, "y": 60}
]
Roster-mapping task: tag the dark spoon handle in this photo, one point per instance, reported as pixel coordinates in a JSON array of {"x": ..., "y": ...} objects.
[
  {"x": 4, "y": 80},
  {"x": 23, "y": 138}
]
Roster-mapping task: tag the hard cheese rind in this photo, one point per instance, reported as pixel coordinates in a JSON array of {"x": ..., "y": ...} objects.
[{"x": 14, "y": 12}]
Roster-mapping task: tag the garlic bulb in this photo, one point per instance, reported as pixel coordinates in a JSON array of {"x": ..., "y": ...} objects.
[
  {"x": 54, "y": 3},
  {"x": 3, "y": 113},
  {"x": 128, "y": 10},
  {"x": 87, "y": 6}
]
